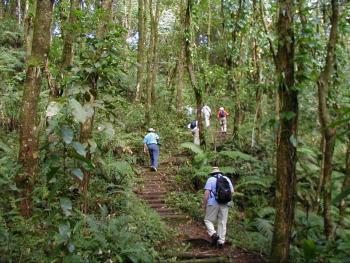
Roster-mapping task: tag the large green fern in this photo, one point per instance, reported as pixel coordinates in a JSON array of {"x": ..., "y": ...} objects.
[
  {"x": 253, "y": 182},
  {"x": 237, "y": 155}
]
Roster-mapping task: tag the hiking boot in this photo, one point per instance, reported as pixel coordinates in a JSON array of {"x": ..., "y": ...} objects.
[
  {"x": 154, "y": 169},
  {"x": 214, "y": 239},
  {"x": 220, "y": 245}
]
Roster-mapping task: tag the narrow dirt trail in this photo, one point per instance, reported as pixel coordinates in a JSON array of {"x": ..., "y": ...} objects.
[{"x": 190, "y": 240}]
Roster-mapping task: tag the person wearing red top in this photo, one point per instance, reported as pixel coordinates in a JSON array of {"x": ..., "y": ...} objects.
[{"x": 222, "y": 116}]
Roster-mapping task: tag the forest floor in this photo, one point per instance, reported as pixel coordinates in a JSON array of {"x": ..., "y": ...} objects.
[{"x": 189, "y": 242}]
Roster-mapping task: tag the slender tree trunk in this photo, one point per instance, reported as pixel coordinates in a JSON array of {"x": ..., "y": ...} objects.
[
  {"x": 258, "y": 92},
  {"x": 28, "y": 134},
  {"x": 87, "y": 127},
  {"x": 180, "y": 75},
  {"x": 19, "y": 12},
  {"x": 154, "y": 35},
  {"x": 233, "y": 63},
  {"x": 207, "y": 54},
  {"x": 346, "y": 184},
  {"x": 188, "y": 55},
  {"x": 181, "y": 59},
  {"x": 27, "y": 30},
  {"x": 152, "y": 59},
  {"x": 69, "y": 36},
  {"x": 142, "y": 18},
  {"x": 329, "y": 133},
  {"x": 286, "y": 150}
]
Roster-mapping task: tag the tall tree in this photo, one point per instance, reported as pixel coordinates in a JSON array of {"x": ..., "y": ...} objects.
[
  {"x": 28, "y": 135},
  {"x": 346, "y": 183},
  {"x": 256, "y": 78},
  {"x": 328, "y": 132},
  {"x": 28, "y": 26},
  {"x": 152, "y": 66},
  {"x": 87, "y": 127},
  {"x": 286, "y": 149},
  {"x": 69, "y": 33},
  {"x": 198, "y": 92},
  {"x": 142, "y": 20}
]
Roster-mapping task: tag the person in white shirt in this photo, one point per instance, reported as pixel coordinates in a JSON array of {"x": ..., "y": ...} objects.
[
  {"x": 215, "y": 210},
  {"x": 207, "y": 113}
]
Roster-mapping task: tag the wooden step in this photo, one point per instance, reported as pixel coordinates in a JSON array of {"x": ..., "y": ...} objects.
[
  {"x": 205, "y": 260},
  {"x": 165, "y": 210},
  {"x": 157, "y": 205},
  {"x": 154, "y": 192}
]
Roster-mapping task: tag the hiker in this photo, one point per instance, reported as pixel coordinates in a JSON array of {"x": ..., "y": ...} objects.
[
  {"x": 217, "y": 199},
  {"x": 151, "y": 144},
  {"x": 193, "y": 126},
  {"x": 222, "y": 116},
  {"x": 207, "y": 113}
]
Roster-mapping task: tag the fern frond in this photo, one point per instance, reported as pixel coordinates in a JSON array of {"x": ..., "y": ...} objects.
[
  {"x": 264, "y": 182},
  {"x": 193, "y": 147},
  {"x": 264, "y": 226},
  {"x": 238, "y": 155},
  {"x": 266, "y": 211}
]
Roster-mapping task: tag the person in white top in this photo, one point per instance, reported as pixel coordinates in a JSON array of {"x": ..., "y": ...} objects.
[{"x": 207, "y": 113}]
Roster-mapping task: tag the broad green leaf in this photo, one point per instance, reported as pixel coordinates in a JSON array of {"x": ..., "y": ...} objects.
[
  {"x": 71, "y": 247},
  {"x": 67, "y": 135},
  {"x": 53, "y": 109},
  {"x": 78, "y": 111},
  {"x": 80, "y": 149},
  {"x": 93, "y": 145},
  {"x": 64, "y": 231},
  {"x": 78, "y": 173},
  {"x": 66, "y": 205},
  {"x": 77, "y": 156}
]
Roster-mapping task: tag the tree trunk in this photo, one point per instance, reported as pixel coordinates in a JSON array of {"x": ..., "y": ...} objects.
[
  {"x": 346, "y": 184},
  {"x": 258, "y": 93},
  {"x": 28, "y": 134},
  {"x": 233, "y": 63},
  {"x": 142, "y": 18},
  {"x": 27, "y": 24},
  {"x": 69, "y": 35},
  {"x": 329, "y": 133},
  {"x": 286, "y": 150},
  {"x": 188, "y": 55},
  {"x": 154, "y": 46},
  {"x": 87, "y": 127},
  {"x": 180, "y": 75}
]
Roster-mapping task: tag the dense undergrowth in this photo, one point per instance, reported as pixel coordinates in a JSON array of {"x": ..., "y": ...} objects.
[
  {"x": 117, "y": 228},
  {"x": 250, "y": 223}
]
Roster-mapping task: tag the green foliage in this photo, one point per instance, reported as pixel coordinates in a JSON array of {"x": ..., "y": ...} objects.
[{"x": 191, "y": 203}]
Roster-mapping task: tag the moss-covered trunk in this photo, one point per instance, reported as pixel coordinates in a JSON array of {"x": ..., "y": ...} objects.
[
  {"x": 28, "y": 134},
  {"x": 328, "y": 133},
  {"x": 286, "y": 149}
]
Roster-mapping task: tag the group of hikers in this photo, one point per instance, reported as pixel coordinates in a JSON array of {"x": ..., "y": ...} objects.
[
  {"x": 218, "y": 188},
  {"x": 206, "y": 111}
]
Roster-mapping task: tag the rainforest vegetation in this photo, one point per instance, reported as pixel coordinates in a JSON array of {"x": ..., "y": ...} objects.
[{"x": 81, "y": 81}]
